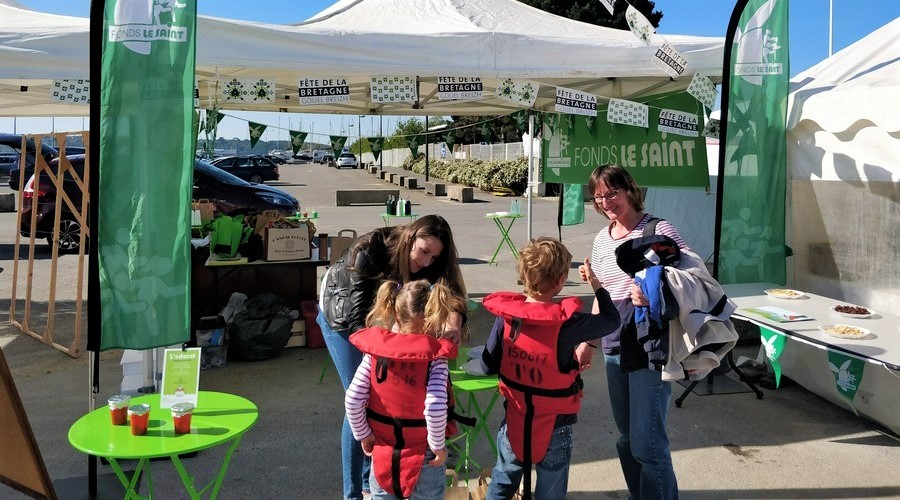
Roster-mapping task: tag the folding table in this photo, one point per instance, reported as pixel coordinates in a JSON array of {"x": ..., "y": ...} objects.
[
  {"x": 498, "y": 218},
  {"x": 219, "y": 418}
]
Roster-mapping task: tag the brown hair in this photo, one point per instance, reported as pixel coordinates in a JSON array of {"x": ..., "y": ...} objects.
[
  {"x": 615, "y": 177},
  {"x": 542, "y": 263},
  {"x": 417, "y": 299},
  {"x": 445, "y": 267}
]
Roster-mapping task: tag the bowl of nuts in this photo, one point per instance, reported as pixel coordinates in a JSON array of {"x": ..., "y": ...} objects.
[{"x": 849, "y": 311}]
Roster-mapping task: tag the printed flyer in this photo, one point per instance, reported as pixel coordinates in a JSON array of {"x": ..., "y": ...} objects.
[{"x": 181, "y": 377}]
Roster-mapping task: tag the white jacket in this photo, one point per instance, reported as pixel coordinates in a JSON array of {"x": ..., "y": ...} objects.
[{"x": 703, "y": 319}]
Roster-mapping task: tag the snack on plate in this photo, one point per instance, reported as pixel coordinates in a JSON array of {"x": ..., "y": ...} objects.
[
  {"x": 783, "y": 293},
  {"x": 851, "y": 309},
  {"x": 844, "y": 331}
]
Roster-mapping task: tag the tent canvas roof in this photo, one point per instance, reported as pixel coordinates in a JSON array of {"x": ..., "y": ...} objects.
[
  {"x": 358, "y": 39},
  {"x": 844, "y": 114}
]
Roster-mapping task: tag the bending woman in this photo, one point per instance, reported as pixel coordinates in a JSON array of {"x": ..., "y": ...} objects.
[
  {"x": 423, "y": 249},
  {"x": 638, "y": 395}
]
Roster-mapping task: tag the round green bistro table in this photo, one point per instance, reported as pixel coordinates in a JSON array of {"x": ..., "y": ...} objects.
[{"x": 219, "y": 418}]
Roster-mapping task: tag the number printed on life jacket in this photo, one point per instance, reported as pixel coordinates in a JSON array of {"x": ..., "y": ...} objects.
[{"x": 515, "y": 353}]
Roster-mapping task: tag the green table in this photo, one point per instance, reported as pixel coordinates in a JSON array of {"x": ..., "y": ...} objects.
[
  {"x": 467, "y": 385},
  {"x": 498, "y": 219},
  {"x": 386, "y": 217},
  {"x": 219, "y": 418}
]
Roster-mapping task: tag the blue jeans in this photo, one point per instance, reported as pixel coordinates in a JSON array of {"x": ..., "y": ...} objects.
[
  {"x": 355, "y": 464},
  {"x": 640, "y": 405},
  {"x": 552, "y": 471},
  {"x": 430, "y": 485}
]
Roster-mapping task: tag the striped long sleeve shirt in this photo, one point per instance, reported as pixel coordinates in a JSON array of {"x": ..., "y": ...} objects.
[
  {"x": 616, "y": 281},
  {"x": 436, "y": 409}
]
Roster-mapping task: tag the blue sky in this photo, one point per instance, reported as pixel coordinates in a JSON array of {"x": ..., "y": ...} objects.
[{"x": 853, "y": 19}]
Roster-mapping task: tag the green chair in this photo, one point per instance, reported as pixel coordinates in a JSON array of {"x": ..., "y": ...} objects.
[{"x": 466, "y": 388}]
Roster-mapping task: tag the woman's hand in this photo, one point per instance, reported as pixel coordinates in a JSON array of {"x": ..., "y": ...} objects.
[
  {"x": 368, "y": 444},
  {"x": 440, "y": 456},
  {"x": 584, "y": 354},
  {"x": 637, "y": 296}
]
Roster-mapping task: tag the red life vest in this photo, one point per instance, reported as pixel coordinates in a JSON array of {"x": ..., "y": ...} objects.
[
  {"x": 399, "y": 376},
  {"x": 530, "y": 380}
]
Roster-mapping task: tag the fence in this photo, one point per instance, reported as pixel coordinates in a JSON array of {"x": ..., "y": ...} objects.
[{"x": 461, "y": 152}]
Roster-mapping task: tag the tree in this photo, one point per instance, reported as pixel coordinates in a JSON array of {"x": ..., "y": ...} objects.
[
  {"x": 586, "y": 11},
  {"x": 592, "y": 12},
  {"x": 410, "y": 126}
]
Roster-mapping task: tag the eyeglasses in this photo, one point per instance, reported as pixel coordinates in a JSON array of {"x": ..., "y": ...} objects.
[{"x": 609, "y": 196}]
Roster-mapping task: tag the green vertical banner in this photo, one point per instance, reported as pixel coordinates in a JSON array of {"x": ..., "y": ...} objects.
[
  {"x": 297, "y": 140},
  {"x": 146, "y": 164},
  {"x": 752, "y": 241},
  {"x": 337, "y": 144},
  {"x": 774, "y": 346},
  {"x": 572, "y": 204},
  {"x": 376, "y": 144},
  {"x": 848, "y": 373}
]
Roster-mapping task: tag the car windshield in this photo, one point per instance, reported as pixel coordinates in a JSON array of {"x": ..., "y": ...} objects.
[{"x": 219, "y": 174}]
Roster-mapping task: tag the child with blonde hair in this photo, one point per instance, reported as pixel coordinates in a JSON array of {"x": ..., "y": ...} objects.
[
  {"x": 532, "y": 347},
  {"x": 398, "y": 402}
]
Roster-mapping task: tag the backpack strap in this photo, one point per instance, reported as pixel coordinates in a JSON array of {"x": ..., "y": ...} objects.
[{"x": 650, "y": 226}]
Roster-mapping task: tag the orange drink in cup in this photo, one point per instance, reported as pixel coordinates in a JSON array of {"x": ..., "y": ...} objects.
[{"x": 140, "y": 417}]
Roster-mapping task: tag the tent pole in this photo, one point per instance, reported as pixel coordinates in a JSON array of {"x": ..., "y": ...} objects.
[{"x": 528, "y": 190}]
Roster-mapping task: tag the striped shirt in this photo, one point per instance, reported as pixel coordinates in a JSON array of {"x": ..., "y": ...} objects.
[
  {"x": 435, "y": 413},
  {"x": 616, "y": 281}
]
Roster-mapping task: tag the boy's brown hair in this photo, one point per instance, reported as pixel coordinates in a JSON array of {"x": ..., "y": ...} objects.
[{"x": 542, "y": 263}]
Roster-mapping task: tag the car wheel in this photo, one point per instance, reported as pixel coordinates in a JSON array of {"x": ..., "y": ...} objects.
[
  {"x": 69, "y": 236},
  {"x": 256, "y": 179}
]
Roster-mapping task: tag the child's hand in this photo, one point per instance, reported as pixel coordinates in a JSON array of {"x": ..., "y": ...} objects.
[
  {"x": 368, "y": 444},
  {"x": 587, "y": 274},
  {"x": 637, "y": 296},
  {"x": 584, "y": 354},
  {"x": 439, "y": 457}
]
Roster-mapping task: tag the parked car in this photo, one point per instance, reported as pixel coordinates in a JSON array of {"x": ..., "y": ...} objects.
[
  {"x": 9, "y": 159},
  {"x": 230, "y": 194},
  {"x": 347, "y": 160},
  {"x": 303, "y": 157},
  {"x": 275, "y": 159},
  {"x": 14, "y": 142},
  {"x": 325, "y": 159},
  {"x": 256, "y": 169}
]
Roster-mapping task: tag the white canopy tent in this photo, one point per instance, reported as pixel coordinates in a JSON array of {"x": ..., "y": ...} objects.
[
  {"x": 844, "y": 161},
  {"x": 359, "y": 39}
]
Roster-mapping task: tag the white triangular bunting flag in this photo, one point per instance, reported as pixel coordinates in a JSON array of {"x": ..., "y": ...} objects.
[
  {"x": 639, "y": 25},
  {"x": 703, "y": 89},
  {"x": 608, "y": 4},
  {"x": 669, "y": 60}
]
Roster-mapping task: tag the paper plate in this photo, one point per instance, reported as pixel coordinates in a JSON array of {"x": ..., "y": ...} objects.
[
  {"x": 784, "y": 293},
  {"x": 845, "y": 331},
  {"x": 851, "y": 315}
]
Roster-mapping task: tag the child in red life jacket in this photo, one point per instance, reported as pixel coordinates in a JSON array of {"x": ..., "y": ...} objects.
[
  {"x": 397, "y": 404},
  {"x": 532, "y": 346}
]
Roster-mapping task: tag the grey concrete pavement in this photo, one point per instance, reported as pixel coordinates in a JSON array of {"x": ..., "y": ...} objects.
[{"x": 790, "y": 444}]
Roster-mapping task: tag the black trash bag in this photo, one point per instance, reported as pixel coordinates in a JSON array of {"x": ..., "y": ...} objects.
[{"x": 260, "y": 331}]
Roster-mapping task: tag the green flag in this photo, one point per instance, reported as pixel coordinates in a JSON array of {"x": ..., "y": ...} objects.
[
  {"x": 450, "y": 138},
  {"x": 752, "y": 241},
  {"x": 521, "y": 118},
  {"x": 337, "y": 144},
  {"x": 486, "y": 131},
  {"x": 256, "y": 131},
  {"x": 572, "y": 202},
  {"x": 376, "y": 144},
  {"x": 297, "y": 140},
  {"x": 412, "y": 142},
  {"x": 589, "y": 123},
  {"x": 774, "y": 344},
  {"x": 146, "y": 163},
  {"x": 848, "y": 373}
]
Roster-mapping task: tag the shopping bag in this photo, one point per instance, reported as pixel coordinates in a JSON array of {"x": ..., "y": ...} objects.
[
  {"x": 341, "y": 243},
  {"x": 454, "y": 490},
  {"x": 205, "y": 208},
  {"x": 481, "y": 488}
]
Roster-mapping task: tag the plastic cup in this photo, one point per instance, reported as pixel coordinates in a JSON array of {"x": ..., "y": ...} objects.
[
  {"x": 118, "y": 409},
  {"x": 306, "y": 214},
  {"x": 140, "y": 417},
  {"x": 181, "y": 417},
  {"x": 315, "y": 214}
]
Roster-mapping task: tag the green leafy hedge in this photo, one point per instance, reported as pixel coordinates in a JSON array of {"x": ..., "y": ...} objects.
[{"x": 482, "y": 174}]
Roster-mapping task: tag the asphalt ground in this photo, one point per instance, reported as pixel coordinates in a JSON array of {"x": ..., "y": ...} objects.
[{"x": 790, "y": 444}]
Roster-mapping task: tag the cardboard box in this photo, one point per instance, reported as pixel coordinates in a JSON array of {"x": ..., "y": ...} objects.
[{"x": 287, "y": 244}]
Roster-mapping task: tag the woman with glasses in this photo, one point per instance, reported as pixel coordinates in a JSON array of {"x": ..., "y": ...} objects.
[{"x": 638, "y": 395}]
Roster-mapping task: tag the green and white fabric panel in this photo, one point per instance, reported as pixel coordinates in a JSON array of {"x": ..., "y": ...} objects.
[
  {"x": 752, "y": 242},
  {"x": 145, "y": 174}
]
